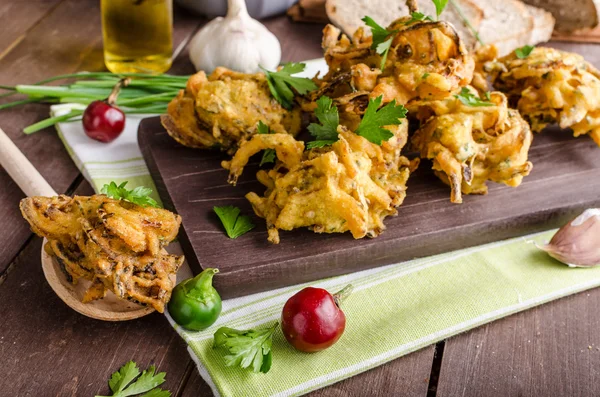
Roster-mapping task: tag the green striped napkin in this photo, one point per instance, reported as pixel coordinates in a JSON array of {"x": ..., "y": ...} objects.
[{"x": 393, "y": 310}]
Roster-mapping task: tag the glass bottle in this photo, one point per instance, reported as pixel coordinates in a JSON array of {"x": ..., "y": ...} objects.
[{"x": 138, "y": 35}]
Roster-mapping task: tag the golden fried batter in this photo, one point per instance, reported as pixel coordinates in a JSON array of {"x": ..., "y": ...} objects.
[
  {"x": 224, "y": 108},
  {"x": 426, "y": 60},
  {"x": 116, "y": 245},
  {"x": 551, "y": 86},
  {"x": 472, "y": 145},
  {"x": 351, "y": 185}
]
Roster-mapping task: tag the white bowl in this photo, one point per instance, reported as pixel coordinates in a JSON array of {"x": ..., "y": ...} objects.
[{"x": 256, "y": 8}]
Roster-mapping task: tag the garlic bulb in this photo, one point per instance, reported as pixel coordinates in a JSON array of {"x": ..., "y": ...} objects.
[
  {"x": 236, "y": 41},
  {"x": 578, "y": 243}
]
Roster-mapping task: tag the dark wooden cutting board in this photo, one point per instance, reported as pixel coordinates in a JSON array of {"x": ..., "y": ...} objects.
[{"x": 565, "y": 180}]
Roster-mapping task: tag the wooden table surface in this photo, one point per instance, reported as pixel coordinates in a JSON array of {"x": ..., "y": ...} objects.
[{"x": 46, "y": 349}]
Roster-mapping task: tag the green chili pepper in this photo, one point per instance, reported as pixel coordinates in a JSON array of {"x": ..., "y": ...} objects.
[{"x": 195, "y": 304}]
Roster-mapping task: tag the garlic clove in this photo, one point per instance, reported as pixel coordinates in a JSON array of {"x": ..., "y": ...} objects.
[
  {"x": 237, "y": 42},
  {"x": 578, "y": 242}
]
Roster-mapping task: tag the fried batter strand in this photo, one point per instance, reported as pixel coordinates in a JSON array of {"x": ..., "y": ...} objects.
[
  {"x": 351, "y": 185},
  {"x": 223, "y": 109},
  {"x": 116, "y": 245},
  {"x": 472, "y": 145},
  {"x": 551, "y": 86}
]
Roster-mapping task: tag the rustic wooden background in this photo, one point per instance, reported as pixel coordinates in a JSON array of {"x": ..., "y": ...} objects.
[{"x": 46, "y": 349}]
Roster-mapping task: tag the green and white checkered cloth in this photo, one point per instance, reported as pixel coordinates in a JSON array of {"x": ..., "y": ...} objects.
[{"x": 394, "y": 310}]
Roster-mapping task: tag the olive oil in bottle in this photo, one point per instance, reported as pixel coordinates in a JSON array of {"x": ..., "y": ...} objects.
[{"x": 137, "y": 35}]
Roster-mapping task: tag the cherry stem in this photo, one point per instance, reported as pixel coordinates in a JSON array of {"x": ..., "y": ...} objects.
[
  {"x": 112, "y": 98},
  {"x": 339, "y": 296}
]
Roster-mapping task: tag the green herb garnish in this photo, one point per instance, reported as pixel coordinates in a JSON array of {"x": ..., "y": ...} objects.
[
  {"x": 371, "y": 125},
  {"x": 127, "y": 381},
  {"x": 326, "y": 132},
  {"x": 467, "y": 98},
  {"x": 381, "y": 39},
  {"x": 269, "y": 155},
  {"x": 419, "y": 17},
  {"x": 235, "y": 224},
  {"x": 439, "y": 7},
  {"x": 140, "y": 195},
  {"x": 281, "y": 81},
  {"x": 249, "y": 348},
  {"x": 523, "y": 52}
]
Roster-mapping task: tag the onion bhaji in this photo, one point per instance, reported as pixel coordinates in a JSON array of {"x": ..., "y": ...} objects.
[
  {"x": 472, "y": 145},
  {"x": 351, "y": 185},
  {"x": 222, "y": 109},
  {"x": 117, "y": 245},
  {"x": 550, "y": 86},
  {"x": 426, "y": 60}
]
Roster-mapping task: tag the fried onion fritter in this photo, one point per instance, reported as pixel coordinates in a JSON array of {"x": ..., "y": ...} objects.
[
  {"x": 426, "y": 60},
  {"x": 352, "y": 185},
  {"x": 472, "y": 145},
  {"x": 117, "y": 245},
  {"x": 222, "y": 109},
  {"x": 551, "y": 86}
]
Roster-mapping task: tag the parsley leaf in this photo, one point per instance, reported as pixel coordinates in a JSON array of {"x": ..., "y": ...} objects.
[
  {"x": 120, "y": 379},
  {"x": 418, "y": 17},
  {"x": 439, "y": 7},
  {"x": 524, "y": 51},
  {"x": 370, "y": 126},
  {"x": 121, "y": 385},
  {"x": 269, "y": 155},
  {"x": 281, "y": 81},
  {"x": 249, "y": 348},
  {"x": 140, "y": 195},
  {"x": 468, "y": 99},
  {"x": 328, "y": 116},
  {"x": 381, "y": 42},
  {"x": 235, "y": 224}
]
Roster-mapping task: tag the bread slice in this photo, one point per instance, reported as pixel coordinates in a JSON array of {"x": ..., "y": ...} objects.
[
  {"x": 506, "y": 23},
  {"x": 543, "y": 25},
  {"x": 347, "y": 14},
  {"x": 571, "y": 15}
]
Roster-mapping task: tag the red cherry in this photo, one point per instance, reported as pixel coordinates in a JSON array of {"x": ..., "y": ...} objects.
[
  {"x": 103, "y": 122},
  {"x": 312, "y": 319}
]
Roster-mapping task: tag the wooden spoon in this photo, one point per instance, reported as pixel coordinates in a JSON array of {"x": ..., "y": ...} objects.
[{"x": 109, "y": 308}]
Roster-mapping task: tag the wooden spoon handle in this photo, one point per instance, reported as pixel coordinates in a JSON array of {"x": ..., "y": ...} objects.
[{"x": 31, "y": 182}]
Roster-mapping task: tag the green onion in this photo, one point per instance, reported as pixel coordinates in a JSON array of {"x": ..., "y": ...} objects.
[{"x": 145, "y": 93}]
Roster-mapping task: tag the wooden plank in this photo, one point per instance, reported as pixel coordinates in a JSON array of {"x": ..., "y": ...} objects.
[
  {"x": 551, "y": 350},
  {"x": 17, "y": 17},
  {"x": 408, "y": 376},
  {"x": 562, "y": 184},
  {"x": 68, "y": 40},
  {"x": 74, "y": 355}
]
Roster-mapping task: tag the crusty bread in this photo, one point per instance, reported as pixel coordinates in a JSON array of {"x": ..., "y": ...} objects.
[
  {"x": 543, "y": 25},
  {"x": 571, "y": 15},
  {"x": 347, "y": 14},
  {"x": 508, "y": 24}
]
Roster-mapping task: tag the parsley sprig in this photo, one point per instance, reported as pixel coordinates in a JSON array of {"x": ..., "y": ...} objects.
[
  {"x": 439, "y": 7},
  {"x": 419, "y": 17},
  {"x": 382, "y": 39},
  {"x": 248, "y": 348},
  {"x": 468, "y": 99},
  {"x": 235, "y": 224},
  {"x": 268, "y": 154},
  {"x": 523, "y": 52},
  {"x": 374, "y": 119},
  {"x": 127, "y": 381},
  {"x": 282, "y": 82},
  {"x": 328, "y": 116},
  {"x": 140, "y": 195}
]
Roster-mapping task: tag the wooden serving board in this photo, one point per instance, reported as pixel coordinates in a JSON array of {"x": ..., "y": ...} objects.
[{"x": 565, "y": 180}]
